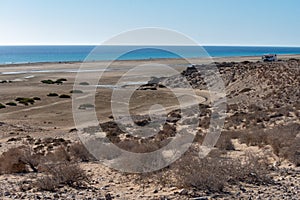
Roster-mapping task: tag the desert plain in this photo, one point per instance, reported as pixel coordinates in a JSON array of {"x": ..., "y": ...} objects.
[{"x": 257, "y": 155}]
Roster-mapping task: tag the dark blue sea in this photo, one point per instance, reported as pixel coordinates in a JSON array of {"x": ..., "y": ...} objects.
[{"x": 33, "y": 54}]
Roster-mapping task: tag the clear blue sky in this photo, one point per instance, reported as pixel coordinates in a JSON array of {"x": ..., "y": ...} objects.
[{"x": 213, "y": 22}]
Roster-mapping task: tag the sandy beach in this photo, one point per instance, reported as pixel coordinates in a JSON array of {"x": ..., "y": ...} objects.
[
  {"x": 25, "y": 81},
  {"x": 260, "y": 98}
]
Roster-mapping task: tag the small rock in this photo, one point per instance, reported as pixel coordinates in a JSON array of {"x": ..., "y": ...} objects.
[
  {"x": 6, "y": 194},
  {"x": 200, "y": 198},
  {"x": 183, "y": 192},
  {"x": 108, "y": 197},
  {"x": 243, "y": 189},
  {"x": 73, "y": 130}
]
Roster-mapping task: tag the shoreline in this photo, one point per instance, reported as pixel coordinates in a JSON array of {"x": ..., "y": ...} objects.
[{"x": 231, "y": 58}]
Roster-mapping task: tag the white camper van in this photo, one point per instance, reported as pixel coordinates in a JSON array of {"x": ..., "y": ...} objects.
[{"x": 269, "y": 57}]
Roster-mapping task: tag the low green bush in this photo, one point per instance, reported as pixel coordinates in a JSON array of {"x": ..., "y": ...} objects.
[
  {"x": 11, "y": 104},
  {"x": 76, "y": 91},
  {"x": 2, "y": 106},
  {"x": 84, "y": 83},
  {"x": 25, "y": 101},
  {"x": 86, "y": 106}
]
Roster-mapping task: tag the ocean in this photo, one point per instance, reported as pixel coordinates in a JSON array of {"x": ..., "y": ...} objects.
[{"x": 33, "y": 54}]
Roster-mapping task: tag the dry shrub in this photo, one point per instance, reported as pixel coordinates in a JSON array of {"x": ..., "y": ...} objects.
[
  {"x": 212, "y": 174},
  {"x": 252, "y": 169},
  {"x": 144, "y": 145},
  {"x": 225, "y": 140},
  {"x": 293, "y": 152},
  {"x": 62, "y": 174},
  {"x": 225, "y": 143},
  {"x": 47, "y": 183},
  {"x": 56, "y": 165},
  {"x": 283, "y": 140},
  {"x": 137, "y": 144},
  {"x": 204, "y": 122},
  {"x": 10, "y": 162},
  {"x": 68, "y": 173},
  {"x": 79, "y": 152},
  {"x": 254, "y": 138},
  {"x": 24, "y": 159},
  {"x": 59, "y": 155},
  {"x": 19, "y": 160},
  {"x": 233, "y": 134},
  {"x": 202, "y": 174},
  {"x": 137, "y": 147},
  {"x": 60, "y": 170}
]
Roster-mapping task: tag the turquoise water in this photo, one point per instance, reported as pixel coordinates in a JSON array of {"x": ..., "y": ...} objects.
[{"x": 33, "y": 54}]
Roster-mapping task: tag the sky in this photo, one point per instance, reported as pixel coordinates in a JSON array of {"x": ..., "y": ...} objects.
[{"x": 209, "y": 22}]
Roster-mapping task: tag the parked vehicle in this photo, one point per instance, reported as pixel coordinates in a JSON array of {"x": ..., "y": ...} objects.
[{"x": 269, "y": 57}]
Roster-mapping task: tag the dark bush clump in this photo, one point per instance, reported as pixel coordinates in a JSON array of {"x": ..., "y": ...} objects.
[
  {"x": 52, "y": 95},
  {"x": 61, "y": 80},
  {"x": 86, "y": 106},
  {"x": 37, "y": 98},
  {"x": 84, "y": 83},
  {"x": 76, "y": 91},
  {"x": 25, "y": 101},
  {"x": 11, "y": 104},
  {"x": 2, "y": 106},
  {"x": 64, "y": 96},
  {"x": 48, "y": 81},
  {"x": 58, "y": 81}
]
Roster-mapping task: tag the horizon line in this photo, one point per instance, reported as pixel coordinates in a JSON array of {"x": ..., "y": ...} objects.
[{"x": 208, "y": 45}]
